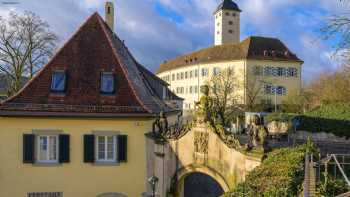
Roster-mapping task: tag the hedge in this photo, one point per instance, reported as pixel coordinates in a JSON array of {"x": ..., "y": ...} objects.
[
  {"x": 281, "y": 174},
  {"x": 331, "y": 118}
]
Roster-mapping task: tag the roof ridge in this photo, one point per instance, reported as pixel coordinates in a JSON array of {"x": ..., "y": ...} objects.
[
  {"x": 137, "y": 82},
  {"x": 114, "y": 50}
]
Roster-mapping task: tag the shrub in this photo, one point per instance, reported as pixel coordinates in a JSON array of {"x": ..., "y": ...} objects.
[
  {"x": 333, "y": 118},
  {"x": 281, "y": 174}
]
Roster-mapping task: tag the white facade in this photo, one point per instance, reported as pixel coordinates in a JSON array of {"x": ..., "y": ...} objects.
[
  {"x": 227, "y": 27},
  {"x": 187, "y": 85}
]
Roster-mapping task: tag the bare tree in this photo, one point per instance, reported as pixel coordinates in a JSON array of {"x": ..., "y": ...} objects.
[
  {"x": 26, "y": 43},
  {"x": 224, "y": 91},
  {"x": 337, "y": 28},
  {"x": 254, "y": 93}
]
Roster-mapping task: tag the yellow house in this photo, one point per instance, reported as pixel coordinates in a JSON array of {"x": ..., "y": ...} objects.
[
  {"x": 77, "y": 129},
  {"x": 261, "y": 62}
]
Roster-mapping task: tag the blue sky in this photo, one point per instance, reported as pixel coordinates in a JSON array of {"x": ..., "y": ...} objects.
[{"x": 159, "y": 30}]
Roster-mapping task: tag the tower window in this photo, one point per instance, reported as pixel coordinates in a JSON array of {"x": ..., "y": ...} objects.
[
  {"x": 109, "y": 10},
  {"x": 227, "y": 14},
  {"x": 230, "y": 22},
  {"x": 218, "y": 32},
  {"x": 230, "y": 31},
  {"x": 233, "y": 14}
]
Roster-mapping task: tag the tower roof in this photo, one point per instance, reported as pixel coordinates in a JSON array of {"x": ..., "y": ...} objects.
[{"x": 228, "y": 5}]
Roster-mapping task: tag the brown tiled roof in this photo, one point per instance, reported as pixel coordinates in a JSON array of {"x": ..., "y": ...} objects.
[
  {"x": 93, "y": 49},
  {"x": 254, "y": 48}
]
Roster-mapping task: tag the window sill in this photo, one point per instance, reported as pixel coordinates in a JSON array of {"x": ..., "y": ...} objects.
[
  {"x": 57, "y": 94},
  {"x": 108, "y": 95},
  {"x": 46, "y": 164},
  {"x": 106, "y": 163}
]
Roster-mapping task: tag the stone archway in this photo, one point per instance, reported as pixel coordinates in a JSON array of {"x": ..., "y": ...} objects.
[
  {"x": 208, "y": 175},
  {"x": 111, "y": 195},
  {"x": 199, "y": 184}
]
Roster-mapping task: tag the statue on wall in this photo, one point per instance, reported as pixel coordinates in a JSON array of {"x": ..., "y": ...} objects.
[
  {"x": 201, "y": 142},
  {"x": 205, "y": 104},
  {"x": 257, "y": 134},
  {"x": 160, "y": 125}
]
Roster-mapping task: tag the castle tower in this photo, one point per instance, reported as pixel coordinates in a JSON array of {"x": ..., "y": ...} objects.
[
  {"x": 227, "y": 23},
  {"x": 110, "y": 15}
]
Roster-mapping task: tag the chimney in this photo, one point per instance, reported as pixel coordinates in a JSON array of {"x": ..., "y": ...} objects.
[{"x": 110, "y": 15}]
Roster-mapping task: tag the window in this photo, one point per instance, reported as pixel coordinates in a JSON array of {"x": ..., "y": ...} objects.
[
  {"x": 230, "y": 31},
  {"x": 191, "y": 74},
  {"x": 269, "y": 89},
  {"x": 292, "y": 72},
  {"x": 106, "y": 148},
  {"x": 196, "y": 73},
  {"x": 274, "y": 72},
  {"x": 186, "y": 75},
  {"x": 58, "y": 83},
  {"x": 257, "y": 70},
  {"x": 47, "y": 149},
  {"x": 227, "y": 14},
  {"x": 45, "y": 194},
  {"x": 216, "y": 71},
  {"x": 230, "y": 22},
  {"x": 182, "y": 75},
  {"x": 268, "y": 71},
  {"x": 173, "y": 77},
  {"x": 234, "y": 14},
  {"x": 107, "y": 83},
  {"x": 281, "y": 71},
  {"x": 178, "y": 76},
  {"x": 217, "y": 32},
  {"x": 204, "y": 72},
  {"x": 191, "y": 90},
  {"x": 196, "y": 89},
  {"x": 281, "y": 90},
  {"x": 218, "y": 24}
]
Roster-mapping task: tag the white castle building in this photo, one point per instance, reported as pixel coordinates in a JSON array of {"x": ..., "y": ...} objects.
[{"x": 266, "y": 59}]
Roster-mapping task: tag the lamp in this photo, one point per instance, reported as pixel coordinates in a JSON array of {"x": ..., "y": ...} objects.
[{"x": 153, "y": 180}]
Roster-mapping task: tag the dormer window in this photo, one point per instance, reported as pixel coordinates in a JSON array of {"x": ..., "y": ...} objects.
[
  {"x": 107, "y": 83},
  {"x": 58, "y": 83}
]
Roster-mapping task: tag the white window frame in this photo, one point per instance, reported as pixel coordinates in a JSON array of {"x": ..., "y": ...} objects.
[
  {"x": 38, "y": 149},
  {"x": 105, "y": 159}
]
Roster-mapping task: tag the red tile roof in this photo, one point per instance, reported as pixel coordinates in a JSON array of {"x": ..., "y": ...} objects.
[
  {"x": 252, "y": 48},
  {"x": 93, "y": 49}
]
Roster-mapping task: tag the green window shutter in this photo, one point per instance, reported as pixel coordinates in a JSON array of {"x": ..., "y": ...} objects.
[
  {"x": 28, "y": 148},
  {"x": 64, "y": 152},
  {"x": 122, "y": 148},
  {"x": 89, "y": 148}
]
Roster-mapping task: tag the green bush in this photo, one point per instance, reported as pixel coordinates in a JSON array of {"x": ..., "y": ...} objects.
[
  {"x": 333, "y": 118},
  {"x": 281, "y": 174},
  {"x": 332, "y": 187}
]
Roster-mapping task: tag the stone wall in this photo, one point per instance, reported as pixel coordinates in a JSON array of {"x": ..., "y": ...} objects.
[{"x": 199, "y": 150}]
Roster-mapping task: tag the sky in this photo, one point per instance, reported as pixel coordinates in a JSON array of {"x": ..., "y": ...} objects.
[{"x": 160, "y": 30}]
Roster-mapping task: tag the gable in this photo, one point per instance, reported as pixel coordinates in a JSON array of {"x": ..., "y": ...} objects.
[{"x": 92, "y": 50}]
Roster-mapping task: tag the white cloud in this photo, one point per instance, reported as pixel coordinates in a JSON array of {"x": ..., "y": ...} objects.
[{"x": 153, "y": 38}]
